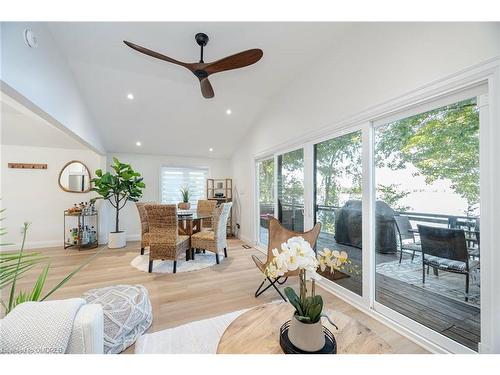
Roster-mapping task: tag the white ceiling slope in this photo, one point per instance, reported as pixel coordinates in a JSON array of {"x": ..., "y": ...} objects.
[
  {"x": 21, "y": 127},
  {"x": 169, "y": 115}
]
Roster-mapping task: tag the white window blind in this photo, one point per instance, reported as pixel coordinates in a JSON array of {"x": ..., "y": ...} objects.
[{"x": 172, "y": 179}]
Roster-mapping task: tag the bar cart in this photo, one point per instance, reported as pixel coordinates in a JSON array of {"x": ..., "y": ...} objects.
[{"x": 85, "y": 234}]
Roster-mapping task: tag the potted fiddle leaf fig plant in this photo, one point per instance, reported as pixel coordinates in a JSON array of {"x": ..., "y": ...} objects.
[
  {"x": 185, "y": 205},
  {"x": 118, "y": 188},
  {"x": 306, "y": 330}
]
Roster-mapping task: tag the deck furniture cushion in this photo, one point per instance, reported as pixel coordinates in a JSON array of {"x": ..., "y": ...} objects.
[{"x": 443, "y": 263}]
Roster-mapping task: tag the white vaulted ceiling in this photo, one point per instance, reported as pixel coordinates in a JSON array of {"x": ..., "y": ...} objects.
[{"x": 168, "y": 113}]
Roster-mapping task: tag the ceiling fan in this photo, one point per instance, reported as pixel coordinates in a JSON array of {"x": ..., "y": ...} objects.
[{"x": 202, "y": 69}]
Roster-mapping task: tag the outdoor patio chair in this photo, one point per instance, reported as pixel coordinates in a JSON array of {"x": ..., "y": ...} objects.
[
  {"x": 446, "y": 249},
  {"x": 278, "y": 234},
  {"x": 403, "y": 228}
]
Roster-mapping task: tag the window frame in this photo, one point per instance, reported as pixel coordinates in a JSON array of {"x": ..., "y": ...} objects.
[{"x": 199, "y": 168}]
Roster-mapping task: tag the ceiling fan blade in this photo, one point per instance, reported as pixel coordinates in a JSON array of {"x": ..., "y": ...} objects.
[
  {"x": 206, "y": 88},
  {"x": 156, "y": 54},
  {"x": 236, "y": 61}
]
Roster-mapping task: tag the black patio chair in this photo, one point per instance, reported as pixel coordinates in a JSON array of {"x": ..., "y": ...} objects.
[
  {"x": 403, "y": 229},
  {"x": 446, "y": 249}
]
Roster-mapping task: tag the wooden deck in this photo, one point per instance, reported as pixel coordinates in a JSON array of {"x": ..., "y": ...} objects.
[{"x": 452, "y": 318}]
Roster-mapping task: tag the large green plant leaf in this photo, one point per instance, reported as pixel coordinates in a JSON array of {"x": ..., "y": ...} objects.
[{"x": 294, "y": 299}]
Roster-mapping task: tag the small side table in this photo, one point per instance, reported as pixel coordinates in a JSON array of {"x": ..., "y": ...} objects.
[
  {"x": 257, "y": 331},
  {"x": 82, "y": 220}
]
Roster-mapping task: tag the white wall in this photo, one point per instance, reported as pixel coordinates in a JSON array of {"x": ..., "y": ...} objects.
[
  {"x": 149, "y": 167},
  {"x": 42, "y": 80},
  {"x": 35, "y": 196},
  {"x": 374, "y": 64}
]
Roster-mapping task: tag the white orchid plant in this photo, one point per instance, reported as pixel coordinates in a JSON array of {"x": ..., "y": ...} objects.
[{"x": 297, "y": 254}]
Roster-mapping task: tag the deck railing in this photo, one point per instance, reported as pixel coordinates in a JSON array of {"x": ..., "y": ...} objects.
[{"x": 414, "y": 217}]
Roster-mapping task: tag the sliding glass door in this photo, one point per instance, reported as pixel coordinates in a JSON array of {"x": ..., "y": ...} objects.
[
  {"x": 338, "y": 206},
  {"x": 400, "y": 195},
  {"x": 290, "y": 168},
  {"x": 427, "y": 219},
  {"x": 265, "y": 185}
]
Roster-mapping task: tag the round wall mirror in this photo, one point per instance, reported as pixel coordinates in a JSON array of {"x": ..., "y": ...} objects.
[{"x": 75, "y": 177}]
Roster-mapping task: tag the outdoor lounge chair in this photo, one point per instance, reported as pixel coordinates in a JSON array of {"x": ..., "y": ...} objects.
[{"x": 278, "y": 235}]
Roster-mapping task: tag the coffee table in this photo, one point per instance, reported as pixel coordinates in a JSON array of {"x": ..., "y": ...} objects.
[{"x": 257, "y": 332}]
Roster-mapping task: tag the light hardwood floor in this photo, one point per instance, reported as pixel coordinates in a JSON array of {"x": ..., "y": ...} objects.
[{"x": 189, "y": 296}]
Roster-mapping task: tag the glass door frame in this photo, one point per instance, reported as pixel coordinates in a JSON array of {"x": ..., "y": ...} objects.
[
  {"x": 477, "y": 90},
  {"x": 487, "y": 73},
  {"x": 257, "y": 198}
]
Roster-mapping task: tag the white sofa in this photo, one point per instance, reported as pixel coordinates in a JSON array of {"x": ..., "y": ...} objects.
[
  {"x": 87, "y": 336},
  {"x": 64, "y": 326}
]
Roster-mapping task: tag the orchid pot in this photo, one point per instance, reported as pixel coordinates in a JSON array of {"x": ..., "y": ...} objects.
[{"x": 306, "y": 330}]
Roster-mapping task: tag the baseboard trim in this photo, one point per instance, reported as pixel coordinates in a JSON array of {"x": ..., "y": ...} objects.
[
  {"x": 133, "y": 237},
  {"x": 34, "y": 245},
  {"x": 247, "y": 240}
]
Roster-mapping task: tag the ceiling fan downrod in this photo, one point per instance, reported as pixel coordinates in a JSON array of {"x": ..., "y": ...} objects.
[{"x": 202, "y": 40}]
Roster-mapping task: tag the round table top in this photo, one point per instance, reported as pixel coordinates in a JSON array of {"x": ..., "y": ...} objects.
[{"x": 257, "y": 332}]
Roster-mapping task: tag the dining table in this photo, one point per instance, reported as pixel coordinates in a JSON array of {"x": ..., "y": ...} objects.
[{"x": 190, "y": 223}]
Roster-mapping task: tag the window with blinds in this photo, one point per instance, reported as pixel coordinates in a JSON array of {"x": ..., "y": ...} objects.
[{"x": 172, "y": 179}]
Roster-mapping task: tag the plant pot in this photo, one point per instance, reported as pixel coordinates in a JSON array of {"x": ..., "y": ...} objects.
[
  {"x": 307, "y": 337},
  {"x": 117, "y": 240},
  {"x": 184, "y": 206}
]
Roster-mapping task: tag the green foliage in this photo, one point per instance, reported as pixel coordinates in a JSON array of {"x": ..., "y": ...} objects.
[
  {"x": 118, "y": 188},
  {"x": 291, "y": 177},
  {"x": 392, "y": 194},
  {"x": 336, "y": 159},
  {"x": 14, "y": 264},
  {"x": 185, "y": 193},
  {"x": 266, "y": 181},
  {"x": 441, "y": 144},
  {"x": 308, "y": 310}
]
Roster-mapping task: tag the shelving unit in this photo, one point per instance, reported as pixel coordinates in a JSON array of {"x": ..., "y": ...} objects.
[
  {"x": 221, "y": 190},
  {"x": 82, "y": 220}
]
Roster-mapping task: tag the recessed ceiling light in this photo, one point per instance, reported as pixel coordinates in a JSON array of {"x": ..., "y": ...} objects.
[
  {"x": 130, "y": 96},
  {"x": 228, "y": 111},
  {"x": 210, "y": 149},
  {"x": 138, "y": 143}
]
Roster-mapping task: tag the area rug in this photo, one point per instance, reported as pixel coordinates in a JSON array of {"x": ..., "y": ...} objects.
[
  {"x": 141, "y": 262},
  {"x": 447, "y": 284},
  {"x": 200, "y": 337}
]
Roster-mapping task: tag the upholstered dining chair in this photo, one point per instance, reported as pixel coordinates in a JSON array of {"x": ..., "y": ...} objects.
[
  {"x": 143, "y": 216},
  {"x": 278, "y": 234},
  {"x": 214, "y": 240},
  {"x": 206, "y": 207},
  {"x": 165, "y": 243}
]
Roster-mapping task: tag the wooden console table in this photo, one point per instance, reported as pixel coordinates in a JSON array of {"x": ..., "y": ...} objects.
[{"x": 257, "y": 332}]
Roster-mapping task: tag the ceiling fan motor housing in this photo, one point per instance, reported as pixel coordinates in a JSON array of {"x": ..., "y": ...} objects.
[{"x": 201, "y": 39}]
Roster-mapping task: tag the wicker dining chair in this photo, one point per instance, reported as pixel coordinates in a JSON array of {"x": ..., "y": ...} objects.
[
  {"x": 214, "y": 240},
  {"x": 165, "y": 243},
  {"x": 278, "y": 234},
  {"x": 206, "y": 207},
  {"x": 143, "y": 216}
]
